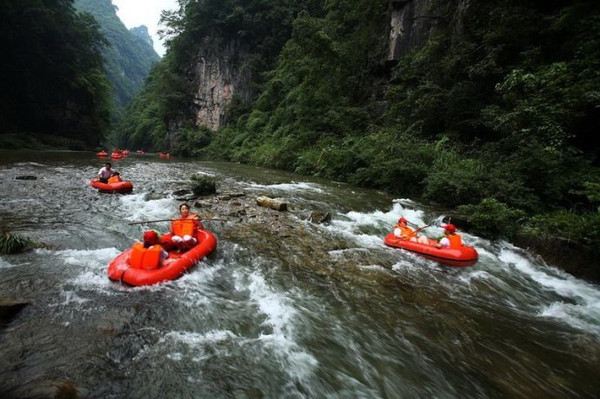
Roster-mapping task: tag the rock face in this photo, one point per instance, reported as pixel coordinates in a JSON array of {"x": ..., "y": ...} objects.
[
  {"x": 142, "y": 32},
  {"x": 410, "y": 23},
  {"x": 217, "y": 75}
]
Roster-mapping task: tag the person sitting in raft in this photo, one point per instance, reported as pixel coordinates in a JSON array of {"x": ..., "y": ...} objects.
[
  {"x": 183, "y": 230},
  {"x": 450, "y": 239},
  {"x": 115, "y": 178},
  {"x": 149, "y": 254},
  {"x": 401, "y": 230},
  {"x": 105, "y": 172}
]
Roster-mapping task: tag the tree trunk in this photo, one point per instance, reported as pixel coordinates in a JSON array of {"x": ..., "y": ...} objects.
[{"x": 272, "y": 203}]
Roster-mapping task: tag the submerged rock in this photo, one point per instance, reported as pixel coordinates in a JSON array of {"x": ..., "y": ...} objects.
[
  {"x": 9, "y": 309},
  {"x": 319, "y": 217}
]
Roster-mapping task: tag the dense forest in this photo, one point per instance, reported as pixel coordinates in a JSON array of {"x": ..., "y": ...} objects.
[
  {"x": 495, "y": 115},
  {"x": 54, "y": 88},
  {"x": 68, "y": 70}
]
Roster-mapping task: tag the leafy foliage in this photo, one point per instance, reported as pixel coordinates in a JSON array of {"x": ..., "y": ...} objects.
[
  {"x": 52, "y": 74},
  {"x": 492, "y": 218},
  {"x": 572, "y": 226}
]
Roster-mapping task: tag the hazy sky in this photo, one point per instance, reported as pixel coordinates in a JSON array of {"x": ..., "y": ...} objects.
[{"x": 145, "y": 12}]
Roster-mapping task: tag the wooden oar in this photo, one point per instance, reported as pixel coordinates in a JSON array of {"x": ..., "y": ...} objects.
[
  {"x": 415, "y": 232},
  {"x": 169, "y": 220}
]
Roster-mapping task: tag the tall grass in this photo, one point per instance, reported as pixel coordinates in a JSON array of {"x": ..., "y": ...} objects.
[{"x": 13, "y": 243}]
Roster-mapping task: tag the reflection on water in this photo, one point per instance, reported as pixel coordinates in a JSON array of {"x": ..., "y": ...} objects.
[{"x": 251, "y": 322}]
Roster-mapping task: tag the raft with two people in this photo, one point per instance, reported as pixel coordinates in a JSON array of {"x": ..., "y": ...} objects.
[
  {"x": 111, "y": 187},
  {"x": 140, "y": 266},
  {"x": 156, "y": 260},
  {"x": 454, "y": 254}
]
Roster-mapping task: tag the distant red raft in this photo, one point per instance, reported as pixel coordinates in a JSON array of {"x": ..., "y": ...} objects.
[
  {"x": 122, "y": 187},
  {"x": 172, "y": 267},
  {"x": 457, "y": 257}
]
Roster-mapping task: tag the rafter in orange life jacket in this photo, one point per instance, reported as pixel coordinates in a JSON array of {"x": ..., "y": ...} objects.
[
  {"x": 145, "y": 258},
  {"x": 182, "y": 227}
]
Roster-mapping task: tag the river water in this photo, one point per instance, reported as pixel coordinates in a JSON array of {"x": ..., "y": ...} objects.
[{"x": 252, "y": 321}]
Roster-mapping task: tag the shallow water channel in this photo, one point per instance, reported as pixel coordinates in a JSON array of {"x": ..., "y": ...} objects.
[{"x": 284, "y": 308}]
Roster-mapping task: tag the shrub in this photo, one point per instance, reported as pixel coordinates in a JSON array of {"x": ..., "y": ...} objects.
[
  {"x": 456, "y": 180},
  {"x": 492, "y": 219},
  {"x": 581, "y": 228}
]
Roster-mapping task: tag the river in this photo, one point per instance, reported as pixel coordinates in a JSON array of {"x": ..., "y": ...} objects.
[{"x": 268, "y": 315}]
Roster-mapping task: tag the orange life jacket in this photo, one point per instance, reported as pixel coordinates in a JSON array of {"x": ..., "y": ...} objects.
[
  {"x": 455, "y": 240},
  {"x": 145, "y": 258},
  {"x": 405, "y": 231},
  {"x": 181, "y": 227},
  {"x": 114, "y": 179}
]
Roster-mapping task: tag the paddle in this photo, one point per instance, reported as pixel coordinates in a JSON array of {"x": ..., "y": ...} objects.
[
  {"x": 169, "y": 220},
  {"x": 416, "y": 231},
  {"x": 421, "y": 228}
]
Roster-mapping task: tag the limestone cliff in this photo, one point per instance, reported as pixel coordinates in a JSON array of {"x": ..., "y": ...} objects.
[
  {"x": 412, "y": 21},
  {"x": 217, "y": 75}
]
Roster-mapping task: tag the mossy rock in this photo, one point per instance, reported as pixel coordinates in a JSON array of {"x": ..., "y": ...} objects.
[{"x": 203, "y": 185}]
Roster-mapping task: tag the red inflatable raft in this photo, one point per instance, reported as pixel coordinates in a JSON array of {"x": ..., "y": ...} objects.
[
  {"x": 121, "y": 187},
  {"x": 458, "y": 257},
  {"x": 172, "y": 267}
]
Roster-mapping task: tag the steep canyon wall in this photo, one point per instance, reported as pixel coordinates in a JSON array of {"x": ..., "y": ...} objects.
[{"x": 217, "y": 75}]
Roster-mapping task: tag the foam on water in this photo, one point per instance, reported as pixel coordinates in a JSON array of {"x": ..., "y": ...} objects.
[
  {"x": 70, "y": 298},
  {"x": 279, "y": 317},
  {"x": 368, "y": 229},
  {"x": 137, "y": 208},
  {"x": 5, "y": 264},
  {"x": 86, "y": 257},
  {"x": 582, "y": 312},
  {"x": 373, "y": 267},
  {"x": 91, "y": 280},
  {"x": 194, "y": 283},
  {"x": 88, "y": 269},
  {"x": 477, "y": 275},
  {"x": 197, "y": 339},
  {"x": 198, "y": 347},
  {"x": 405, "y": 265},
  {"x": 289, "y": 187}
]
